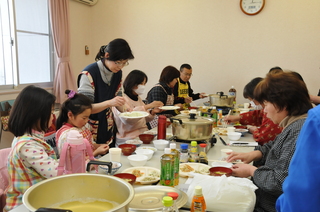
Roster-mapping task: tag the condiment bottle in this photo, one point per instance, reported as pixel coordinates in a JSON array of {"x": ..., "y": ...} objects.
[
  {"x": 219, "y": 117},
  {"x": 167, "y": 168},
  {"x": 202, "y": 153},
  {"x": 162, "y": 122},
  {"x": 214, "y": 116},
  {"x": 184, "y": 153},
  {"x": 233, "y": 93},
  {"x": 198, "y": 202},
  {"x": 174, "y": 196},
  {"x": 194, "y": 155},
  {"x": 167, "y": 204},
  {"x": 176, "y": 166}
]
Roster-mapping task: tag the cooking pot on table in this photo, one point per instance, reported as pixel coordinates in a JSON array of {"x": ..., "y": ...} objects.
[
  {"x": 221, "y": 100},
  {"x": 192, "y": 127},
  {"x": 96, "y": 191}
]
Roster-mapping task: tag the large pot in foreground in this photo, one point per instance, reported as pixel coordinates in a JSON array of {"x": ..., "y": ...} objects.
[
  {"x": 191, "y": 128},
  {"x": 84, "y": 186}
]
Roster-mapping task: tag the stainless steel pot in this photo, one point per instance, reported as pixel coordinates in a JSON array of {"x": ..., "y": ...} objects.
[
  {"x": 191, "y": 128},
  {"x": 84, "y": 186},
  {"x": 221, "y": 100}
]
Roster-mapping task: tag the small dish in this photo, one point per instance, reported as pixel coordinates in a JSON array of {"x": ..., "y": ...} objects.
[
  {"x": 130, "y": 178},
  {"x": 169, "y": 107},
  {"x": 219, "y": 171},
  {"x": 145, "y": 175},
  {"x": 134, "y": 142},
  {"x": 187, "y": 169},
  {"x": 147, "y": 147},
  {"x": 134, "y": 114},
  {"x": 137, "y": 160}
]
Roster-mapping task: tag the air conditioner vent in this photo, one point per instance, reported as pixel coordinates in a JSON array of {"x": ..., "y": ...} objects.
[{"x": 87, "y": 2}]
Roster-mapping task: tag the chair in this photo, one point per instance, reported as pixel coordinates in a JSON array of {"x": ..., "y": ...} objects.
[
  {"x": 5, "y": 107},
  {"x": 4, "y": 176}
]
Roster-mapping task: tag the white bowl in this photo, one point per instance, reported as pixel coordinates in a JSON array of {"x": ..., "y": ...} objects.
[
  {"x": 234, "y": 136},
  {"x": 146, "y": 152},
  {"x": 135, "y": 142},
  {"x": 242, "y": 131},
  {"x": 160, "y": 144},
  {"x": 137, "y": 160},
  {"x": 115, "y": 167}
]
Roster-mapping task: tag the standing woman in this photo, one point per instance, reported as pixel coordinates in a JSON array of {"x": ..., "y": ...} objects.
[
  {"x": 101, "y": 82},
  {"x": 134, "y": 86}
]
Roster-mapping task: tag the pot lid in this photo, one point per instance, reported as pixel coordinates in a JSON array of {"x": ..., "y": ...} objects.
[{"x": 194, "y": 121}]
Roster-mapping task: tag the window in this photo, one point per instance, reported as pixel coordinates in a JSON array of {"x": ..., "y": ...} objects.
[{"x": 25, "y": 45}]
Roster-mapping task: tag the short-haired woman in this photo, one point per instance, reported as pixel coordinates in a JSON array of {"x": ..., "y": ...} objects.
[{"x": 286, "y": 102}]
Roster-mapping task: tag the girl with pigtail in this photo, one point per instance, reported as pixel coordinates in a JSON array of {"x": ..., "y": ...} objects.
[{"x": 74, "y": 115}]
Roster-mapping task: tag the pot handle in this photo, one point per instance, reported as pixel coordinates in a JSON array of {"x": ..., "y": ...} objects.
[
  {"x": 172, "y": 119},
  {"x": 52, "y": 210},
  {"x": 98, "y": 162}
]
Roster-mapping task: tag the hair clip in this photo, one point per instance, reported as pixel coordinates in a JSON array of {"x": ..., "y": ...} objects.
[{"x": 71, "y": 94}]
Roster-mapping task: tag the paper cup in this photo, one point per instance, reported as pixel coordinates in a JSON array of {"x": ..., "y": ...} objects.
[
  {"x": 224, "y": 154},
  {"x": 115, "y": 154},
  {"x": 246, "y": 105}
]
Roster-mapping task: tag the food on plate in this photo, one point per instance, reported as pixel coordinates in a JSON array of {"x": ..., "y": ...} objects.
[
  {"x": 186, "y": 168},
  {"x": 149, "y": 178},
  {"x": 133, "y": 114},
  {"x": 137, "y": 173},
  {"x": 203, "y": 170}
]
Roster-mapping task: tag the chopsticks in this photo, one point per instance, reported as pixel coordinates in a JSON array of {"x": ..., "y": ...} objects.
[{"x": 225, "y": 123}]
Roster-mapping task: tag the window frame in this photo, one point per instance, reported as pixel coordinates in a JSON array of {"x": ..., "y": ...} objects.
[{"x": 15, "y": 54}]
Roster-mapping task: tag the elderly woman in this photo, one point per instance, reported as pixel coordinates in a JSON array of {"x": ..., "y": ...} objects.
[{"x": 286, "y": 102}]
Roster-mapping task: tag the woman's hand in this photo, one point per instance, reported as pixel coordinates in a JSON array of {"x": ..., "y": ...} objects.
[
  {"x": 243, "y": 170},
  {"x": 252, "y": 129},
  {"x": 231, "y": 118},
  {"x": 179, "y": 105},
  {"x": 244, "y": 157},
  {"x": 116, "y": 101},
  {"x": 154, "y": 104}
]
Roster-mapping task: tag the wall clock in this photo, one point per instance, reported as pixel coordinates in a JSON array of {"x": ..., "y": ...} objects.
[{"x": 251, "y": 7}]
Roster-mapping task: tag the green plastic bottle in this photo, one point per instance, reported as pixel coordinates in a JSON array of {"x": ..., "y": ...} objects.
[
  {"x": 176, "y": 166},
  {"x": 167, "y": 168}
]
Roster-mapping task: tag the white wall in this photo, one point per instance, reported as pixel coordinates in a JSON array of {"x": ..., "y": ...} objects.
[{"x": 223, "y": 45}]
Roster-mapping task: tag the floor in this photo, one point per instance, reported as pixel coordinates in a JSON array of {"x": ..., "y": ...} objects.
[{"x": 6, "y": 139}]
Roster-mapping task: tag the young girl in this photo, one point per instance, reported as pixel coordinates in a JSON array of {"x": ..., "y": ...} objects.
[
  {"x": 74, "y": 115},
  {"x": 134, "y": 85},
  {"x": 31, "y": 159}
]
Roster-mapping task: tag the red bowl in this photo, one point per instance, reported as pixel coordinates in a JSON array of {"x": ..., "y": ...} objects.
[
  {"x": 146, "y": 138},
  {"x": 130, "y": 178},
  {"x": 127, "y": 149},
  {"x": 190, "y": 108},
  {"x": 240, "y": 126},
  {"x": 219, "y": 171}
]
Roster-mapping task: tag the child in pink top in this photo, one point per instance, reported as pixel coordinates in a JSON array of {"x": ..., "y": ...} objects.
[
  {"x": 133, "y": 86},
  {"x": 31, "y": 159},
  {"x": 74, "y": 114}
]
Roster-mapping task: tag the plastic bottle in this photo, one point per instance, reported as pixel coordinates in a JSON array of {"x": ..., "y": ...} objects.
[
  {"x": 167, "y": 168},
  {"x": 214, "y": 116},
  {"x": 174, "y": 196},
  {"x": 202, "y": 153},
  {"x": 73, "y": 154},
  {"x": 198, "y": 202},
  {"x": 233, "y": 93},
  {"x": 194, "y": 155},
  {"x": 219, "y": 121},
  {"x": 176, "y": 166},
  {"x": 162, "y": 122},
  {"x": 184, "y": 153},
  {"x": 167, "y": 204}
]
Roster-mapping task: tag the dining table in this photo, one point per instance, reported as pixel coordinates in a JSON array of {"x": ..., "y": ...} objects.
[{"x": 213, "y": 155}]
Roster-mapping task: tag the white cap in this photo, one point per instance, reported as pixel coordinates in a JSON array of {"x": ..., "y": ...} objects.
[
  {"x": 167, "y": 151},
  {"x": 198, "y": 190},
  {"x": 74, "y": 137},
  {"x": 173, "y": 146}
]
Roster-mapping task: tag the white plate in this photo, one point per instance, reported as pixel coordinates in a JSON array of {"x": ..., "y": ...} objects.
[
  {"x": 146, "y": 172},
  {"x": 147, "y": 147},
  {"x": 197, "y": 168},
  {"x": 169, "y": 107},
  {"x": 134, "y": 114}
]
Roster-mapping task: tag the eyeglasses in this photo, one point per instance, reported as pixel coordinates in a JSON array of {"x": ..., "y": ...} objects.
[
  {"x": 119, "y": 64},
  {"x": 188, "y": 75}
]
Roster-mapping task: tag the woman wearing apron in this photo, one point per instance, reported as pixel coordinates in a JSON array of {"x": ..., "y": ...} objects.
[{"x": 162, "y": 91}]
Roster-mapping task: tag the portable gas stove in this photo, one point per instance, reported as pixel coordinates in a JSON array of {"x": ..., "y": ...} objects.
[{"x": 210, "y": 141}]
